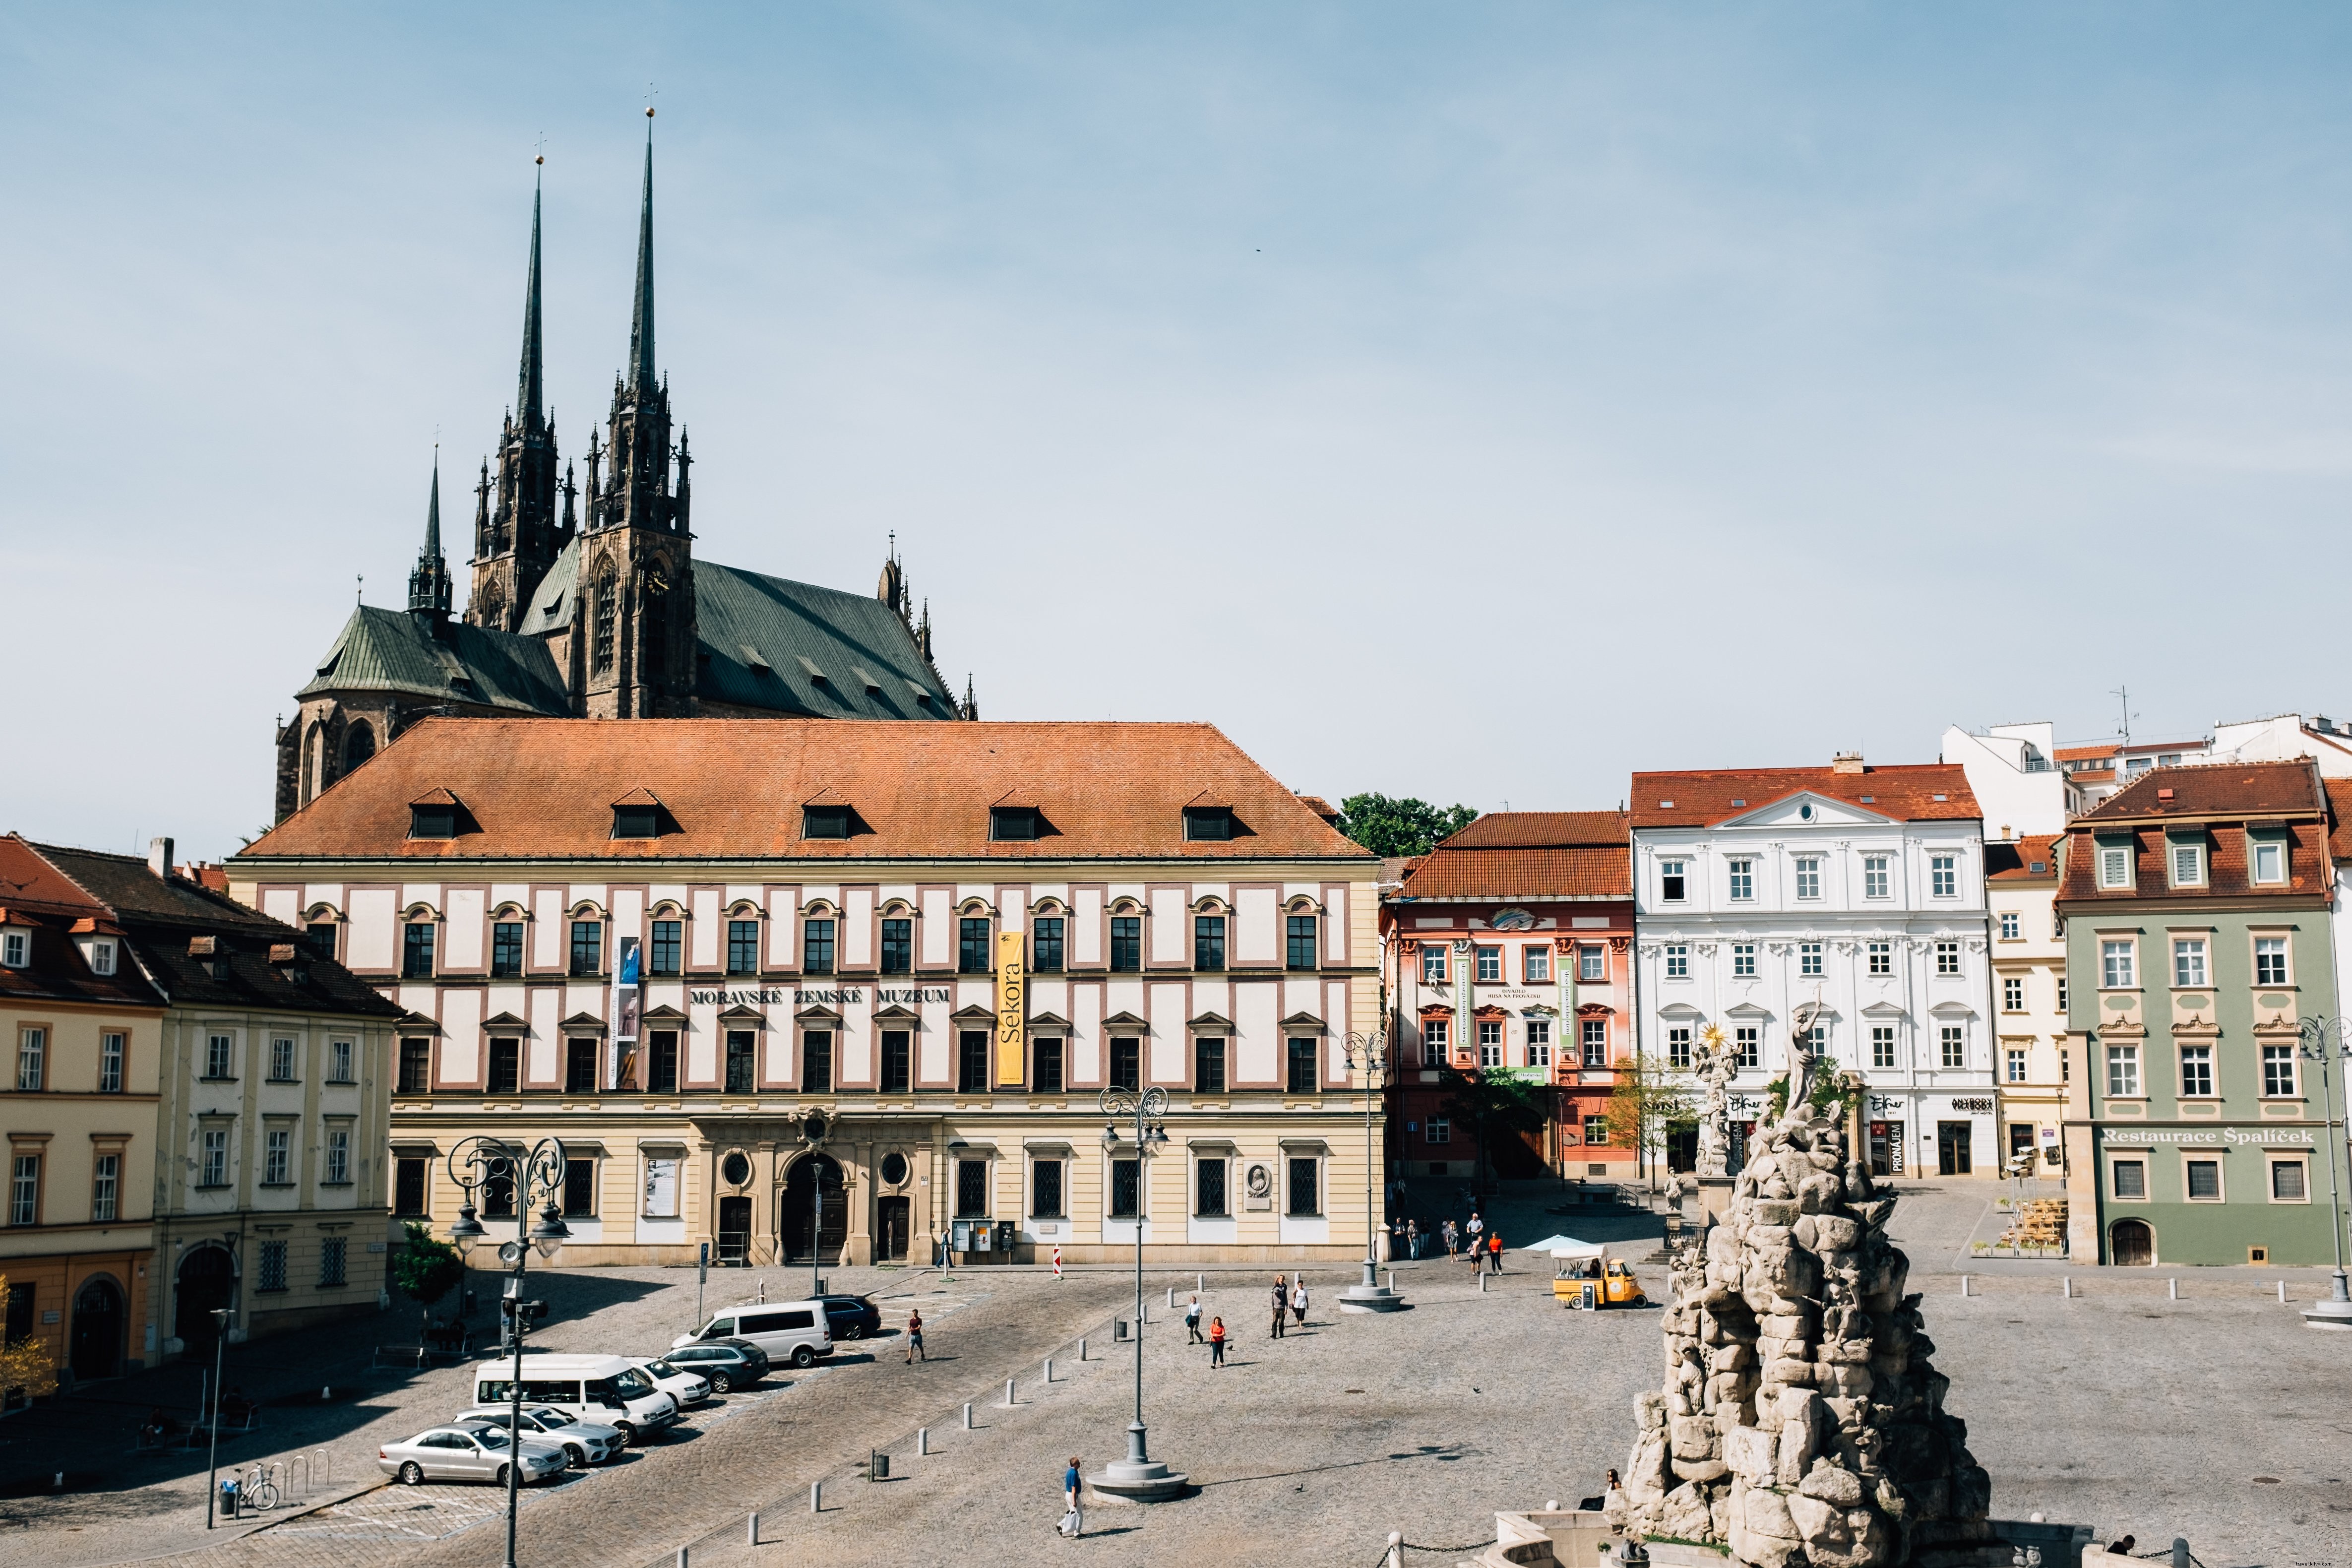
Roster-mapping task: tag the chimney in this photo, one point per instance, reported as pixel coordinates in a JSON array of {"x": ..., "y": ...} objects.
[
  {"x": 1845, "y": 763},
  {"x": 159, "y": 857}
]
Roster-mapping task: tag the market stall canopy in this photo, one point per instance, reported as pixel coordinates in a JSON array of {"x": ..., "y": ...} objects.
[{"x": 1565, "y": 1246}]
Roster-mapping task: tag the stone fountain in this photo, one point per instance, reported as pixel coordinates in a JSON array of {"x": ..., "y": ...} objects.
[{"x": 1801, "y": 1421}]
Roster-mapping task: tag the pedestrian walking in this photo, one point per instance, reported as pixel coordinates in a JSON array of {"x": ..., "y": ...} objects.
[
  {"x": 1477, "y": 1229},
  {"x": 1193, "y": 1323},
  {"x": 1298, "y": 1301},
  {"x": 1281, "y": 1305},
  {"x": 1216, "y": 1341},
  {"x": 915, "y": 1338},
  {"x": 1452, "y": 1238},
  {"x": 1074, "y": 1518},
  {"x": 1494, "y": 1253},
  {"x": 1412, "y": 1240}
]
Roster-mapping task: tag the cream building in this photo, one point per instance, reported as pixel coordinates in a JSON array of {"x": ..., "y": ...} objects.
[
  {"x": 884, "y": 972},
  {"x": 2029, "y": 963}
]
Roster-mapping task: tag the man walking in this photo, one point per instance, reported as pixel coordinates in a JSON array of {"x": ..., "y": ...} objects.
[
  {"x": 1074, "y": 1518},
  {"x": 915, "y": 1338},
  {"x": 1193, "y": 1323},
  {"x": 1281, "y": 1305},
  {"x": 1412, "y": 1240}
]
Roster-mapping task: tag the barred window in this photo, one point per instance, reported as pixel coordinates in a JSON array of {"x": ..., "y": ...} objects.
[
  {"x": 332, "y": 1262},
  {"x": 272, "y": 1270}
]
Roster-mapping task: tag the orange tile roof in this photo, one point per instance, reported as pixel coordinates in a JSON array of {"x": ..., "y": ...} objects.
[
  {"x": 2032, "y": 858},
  {"x": 1539, "y": 829},
  {"x": 2286, "y": 794},
  {"x": 2340, "y": 800},
  {"x": 1529, "y": 855},
  {"x": 2216, "y": 789},
  {"x": 2078, "y": 753},
  {"x": 1917, "y": 791},
  {"x": 543, "y": 788}
]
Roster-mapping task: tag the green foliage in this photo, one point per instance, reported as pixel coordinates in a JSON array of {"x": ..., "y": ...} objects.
[
  {"x": 1407, "y": 826},
  {"x": 426, "y": 1268},
  {"x": 26, "y": 1366},
  {"x": 1827, "y": 1094},
  {"x": 1646, "y": 1098},
  {"x": 1491, "y": 1105}
]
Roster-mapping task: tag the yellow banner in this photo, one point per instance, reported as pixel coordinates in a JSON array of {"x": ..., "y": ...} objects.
[{"x": 1012, "y": 1010}]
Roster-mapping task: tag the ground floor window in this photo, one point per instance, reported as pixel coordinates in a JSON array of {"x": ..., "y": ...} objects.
[
  {"x": 2021, "y": 1139},
  {"x": 2128, "y": 1178},
  {"x": 1046, "y": 1189},
  {"x": 1437, "y": 1130},
  {"x": 579, "y": 1186},
  {"x": 2203, "y": 1180},
  {"x": 1596, "y": 1130},
  {"x": 332, "y": 1262},
  {"x": 271, "y": 1273},
  {"x": 1125, "y": 1189},
  {"x": 1209, "y": 1189},
  {"x": 2288, "y": 1183},
  {"x": 971, "y": 1189},
  {"x": 1306, "y": 1192},
  {"x": 409, "y": 1187}
]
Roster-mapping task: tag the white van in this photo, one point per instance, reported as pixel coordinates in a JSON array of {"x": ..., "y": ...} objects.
[
  {"x": 795, "y": 1331},
  {"x": 601, "y": 1388}
]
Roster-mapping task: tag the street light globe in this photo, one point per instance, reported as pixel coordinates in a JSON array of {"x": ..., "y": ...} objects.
[
  {"x": 550, "y": 1233},
  {"x": 467, "y": 1231}
]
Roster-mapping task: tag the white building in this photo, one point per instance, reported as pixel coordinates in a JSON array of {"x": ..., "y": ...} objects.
[
  {"x": 2282, "y": 737},
  {"x": 2013, "y": 771},
  {"x": 1863, "y": 888}
]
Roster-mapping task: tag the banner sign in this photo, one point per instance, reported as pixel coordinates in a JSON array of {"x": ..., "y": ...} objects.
[
  {"x": 621, "y": 1055},
  {"x": 1012, "y": 1010}
]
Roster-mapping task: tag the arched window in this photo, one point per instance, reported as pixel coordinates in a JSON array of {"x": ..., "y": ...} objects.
[
  {"x": 608, "y": 614},
  {"x": 358, "y": 743},
  {"x": 309, "y": 764},
  {"x": 494, "y": 608}
]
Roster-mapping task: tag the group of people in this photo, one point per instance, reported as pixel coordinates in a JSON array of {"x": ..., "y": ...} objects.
[
  {"x": 1289, "y": 1310},
  {"x": 1473, "y": 1239}
]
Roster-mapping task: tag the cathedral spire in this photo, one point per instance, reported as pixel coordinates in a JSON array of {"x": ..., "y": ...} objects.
[
  {"x": 428, "y": 586},
  {"x": 641, "y": 322},
  {"x": 527, "y": 394}
]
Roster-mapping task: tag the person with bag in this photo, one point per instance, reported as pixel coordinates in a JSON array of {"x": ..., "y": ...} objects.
[
  {"x": 1193, "y": 1323},
  {"x": 1216, "y": 1341},
  {"x": 1073, "y": 1517}
]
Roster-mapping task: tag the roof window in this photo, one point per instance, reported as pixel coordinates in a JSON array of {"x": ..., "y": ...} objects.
[
  {"x": 1208, "y": 823},
  {"x": 824, "y": 822},
  {"x": 639, "y": 815},
  {"x": 435, "y": 815},
  {"x": 1015, "y": 822}
]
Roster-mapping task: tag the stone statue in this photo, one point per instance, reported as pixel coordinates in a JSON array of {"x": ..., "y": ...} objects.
[
  {"x": 1718, "y": 1060},
  {"x": 1799, "y": 1423}
]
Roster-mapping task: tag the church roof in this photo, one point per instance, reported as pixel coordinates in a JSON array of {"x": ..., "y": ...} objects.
[
  {"x": 388, "y": 650},
  {"x": 745, "y": 620}
]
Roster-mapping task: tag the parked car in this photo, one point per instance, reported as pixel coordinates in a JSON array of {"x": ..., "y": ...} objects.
[
  {"x": 601, "y": 1388},
  {"x": 686, "y": 1387},
  {"x": 788, "y": 1330},
  {"x": 725, "y": 1364},
  {"x": 584, "y": 1442},
  {"x": 467, "y": 1453},
  {"x": 852, "y": 1317}
]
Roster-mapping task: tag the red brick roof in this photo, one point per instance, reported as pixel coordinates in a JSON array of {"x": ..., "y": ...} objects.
[
  {"x": 2034, "y": 858},
  {"x": 2216, "y": 789},
  {"x": 2077, "y": 753},
  {"x": 1529, "y": 855},
  {"x": 1919, "y": 791},
  {"x": 36, "y": 894},
  {"x": 2340, "y": 800},
  {"x": 543, "y": 788},
  {"x": 2283, "y": 794}
]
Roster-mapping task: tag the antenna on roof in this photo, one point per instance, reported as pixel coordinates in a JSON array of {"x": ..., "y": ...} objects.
[
  {"x": 359, "y": 594},
  {"x": 2123, "y": 693}
]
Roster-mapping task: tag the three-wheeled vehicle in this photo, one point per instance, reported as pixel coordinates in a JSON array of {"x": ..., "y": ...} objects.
[{"x": 1584, "y": 1275}]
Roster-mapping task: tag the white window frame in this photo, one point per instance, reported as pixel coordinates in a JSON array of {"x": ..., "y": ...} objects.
[
  {"x": 2279, "y": 1063},
  {"x": 1808, "y": 869},
  {"x": 1740, "y": 879},
  {"x": 212, "y": 1168},
  {"x": 1492, "y": 1043},
  {"x": 1953, "y": 1044},
  {"x": 16, "y": 948},
  {"x": 2285, "y": 954},
  {"x": 25, "y": 1188},
  {"x": 1743, "y": 960},
  {"x": 2012, "y": 993},
  {"x": 1538, "y": 1042},
  {"x": 2188, "y": 969},
  {"x": 1875, "y": 881},
  {"x": 2118, "y": 963},
  {"x": 277, "y": 1157},
  {"x": 1810, "y": 962},
  {"x": 1486, "y": 955},
  {"x": 113, "y": 1054},
  {"x": 284, "y": 1055},
  {"x": 1944, "y": 876},
  {"x": 1437, "y": 1132},
  {"x": 1884, "y": 1048},
  {"x": 342, "y": 1062},
  {"x": 2123, "y": 1073},
  {"x": 1432, "y": 964},
  {"x": 1592, "y": 965},
  {"x": 1880, "y": 957},
  {"x": 2275, "y": 851},
  {"x": 338, "y": 1171},
  {"x": 1747, "y": 1042},
  {"x": 1678, "y": 1045},
  {"x": 1676, "y": 956},
  {"x": 2191, "y": 857},
  {"x": 32, "y": 1059},
  {"x": 2204, "y": 1065},
  {"x": 2114, "y": 864},
  {"x": 1593, "y": 1032},
  {"x": 1680, "y": 870},
  {"x": 2014, "y": 1064},
  {"x": 105, "y": 1186},
  {"x": 2013, "y": 926},
  {"x": 1534, "y": 963},
  {"x": 1948, "y": 950},
  {"x": 101, "y": 958},
  {"x": 220, "y": 1057}
]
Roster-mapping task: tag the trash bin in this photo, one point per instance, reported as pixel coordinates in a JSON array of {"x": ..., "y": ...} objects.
[
  {"x": 879, "y": 1469},
  {"x": 228, "y": 1493}
]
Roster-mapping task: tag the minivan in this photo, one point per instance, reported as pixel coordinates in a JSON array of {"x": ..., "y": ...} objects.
[
  {"x": 601, "y": 1388},
  {"x": 787, "y": 1330}
]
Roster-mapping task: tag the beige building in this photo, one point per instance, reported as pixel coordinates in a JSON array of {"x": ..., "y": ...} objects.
[
  {"x": 883, "y": 974},
  {"x": 83, "y": 1032},
  {"x": 2029, "y": 963},
  {"x": 268, "y": 1099}
]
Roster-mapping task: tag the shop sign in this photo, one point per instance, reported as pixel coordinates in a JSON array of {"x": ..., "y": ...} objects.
[
  {"x": 1012, "y": 1009},
  {"x": 2138, "y": 1135},
  {"x": 1980, "y": 1104}
]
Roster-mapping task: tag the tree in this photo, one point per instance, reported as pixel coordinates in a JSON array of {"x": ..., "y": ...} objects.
[
  {"x": 26, "y": 1367},
  {"x": 1647, "y": 1097},
  {"x": 1491, "y": 1105},
  {"x": 426, "y": 1268},
  {"x": 1400, "y": 827}
]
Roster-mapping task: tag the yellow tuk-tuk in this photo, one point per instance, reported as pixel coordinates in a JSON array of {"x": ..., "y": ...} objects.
[{"x": 1585, "y": 1276}]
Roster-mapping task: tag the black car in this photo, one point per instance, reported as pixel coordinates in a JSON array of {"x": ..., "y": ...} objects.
[
  {"x": 852, "y": 1317},
  {"x": 723, "y": 1364}
]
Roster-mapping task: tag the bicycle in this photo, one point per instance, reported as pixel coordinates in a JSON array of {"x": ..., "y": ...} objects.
[{"x": 258, "y": 1491}]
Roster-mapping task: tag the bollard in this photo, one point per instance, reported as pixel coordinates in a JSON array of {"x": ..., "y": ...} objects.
[
  {"x": 1395, "y": 1559},
  {"x": 1964, "y": 1284},
  {"x": 2180, "y": 1557},
  {"x": 2282, "y": 1292},
  {"x": 1049, "y": 1369},
  {"x": 1171, "y": 1298},
  {"x": 681, "y": 1557},
  {"x": 2066, "y": 1287},
  {"x": 1008, "y": 1394},
  {"x": 922, "y": 1440},
  {"x": 1081, "y": 1347},
  {"x": 1552, "y": 1507},
  {"x": 878, "y": 1466},
  {"x": 1482, "y": 1281},
  {"x": 1391, "y": 1279},
  {"x": 816, "y": 1497},
  {"x": 751, "y": 1536},
  {"x": 1201, "y": 1282},
  {"x": 2172, "y": 1289},
  {"x": 967, "y": 1418}
]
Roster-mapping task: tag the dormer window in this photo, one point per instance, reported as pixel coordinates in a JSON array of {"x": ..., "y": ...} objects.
[
  {"x": 1017, "y": 823},
  {"x": 101, "y": 956},
  {"x": 637, "y": 822},
  {"x": 824, "y": 822},
  {"x": 434, "y": 820},
  {"x": 16, "y": 948},
  {"x": 1208, "y": 823}
]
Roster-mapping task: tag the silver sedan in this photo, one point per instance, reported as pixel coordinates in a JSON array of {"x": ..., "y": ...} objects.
[
  {"x": 583, "y": 1442},
  {"x": 467, "y": 1454}
]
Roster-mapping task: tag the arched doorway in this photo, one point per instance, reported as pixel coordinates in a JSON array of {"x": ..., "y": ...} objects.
[
  {"x": 96, "y": 1350},
  {"x": 807, "y": 1173},
  {"x": 207, "y": 1280},
  {"x": 2131, "y": 1244}
]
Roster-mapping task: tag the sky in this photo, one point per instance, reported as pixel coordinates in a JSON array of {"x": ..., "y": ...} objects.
[{"x": 1472, "y": 402}]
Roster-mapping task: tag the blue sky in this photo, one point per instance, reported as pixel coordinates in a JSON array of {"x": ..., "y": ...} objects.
[{"x": 1479, "y": 403}]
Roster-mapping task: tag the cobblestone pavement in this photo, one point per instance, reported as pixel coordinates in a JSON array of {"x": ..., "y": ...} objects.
[{"x": 2212, "y": 1417}]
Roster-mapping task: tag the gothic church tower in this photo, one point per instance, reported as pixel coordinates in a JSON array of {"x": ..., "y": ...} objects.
[
  {"x": 633, "y": 652},
  {"x": 517, "y": 534}
]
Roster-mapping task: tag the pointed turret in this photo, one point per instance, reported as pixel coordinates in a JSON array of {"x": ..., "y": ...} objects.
[
  {"x": 641, "y": 323},
  {"x": 527, "y": 393},
  {"x": 971, "y": 709},
  {"x": 518, "y": 536},
  {"x": 428, "y": 586}
]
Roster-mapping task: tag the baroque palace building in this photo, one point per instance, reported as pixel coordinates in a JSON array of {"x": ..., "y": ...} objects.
[
  {"x": 600, "y": 610},
  {"x": 882, "y": 973}
]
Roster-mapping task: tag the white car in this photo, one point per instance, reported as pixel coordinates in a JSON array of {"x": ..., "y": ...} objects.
[
  {"x": 584, "y": 1442},
  {"x": 467, "y": 1454},
  {"x": 674, "y": 1381}
]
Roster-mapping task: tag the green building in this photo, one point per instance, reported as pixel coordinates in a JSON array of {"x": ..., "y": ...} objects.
[{"x": 2196, "y": 908}]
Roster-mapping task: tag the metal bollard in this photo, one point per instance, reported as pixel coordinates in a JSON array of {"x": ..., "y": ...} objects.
[
  {"x": 1964, "y": 1284},
  {"x": 1008, "y": 1394},
  {"x": 752, "y": 1535},
  {"x": 2180, "y": 1557},
  {"x": 967, "y": 1418},
  {"x": 816, "y": 1497},
  {"x": 1049, "y": 1369},
  {"x": 681, "y": 1557},
  {"x": 2282, "y": 1292},
  {"x": 878, "y": 1466},
  {"x": 2172, "y": 1289},
  {"x": 922, "y": 1440},
  {"x": 1081, "y": 1347}
]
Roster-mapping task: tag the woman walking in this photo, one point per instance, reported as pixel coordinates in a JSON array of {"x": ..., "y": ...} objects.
[
  {"x": 1450, "y": 1236},
  {"x": 1193, "y": 1323},
  {"x": 1298, "y": 1301},
  {"x": 1216, "y": 1341},
  {"x": 1281, "y": 1305}
]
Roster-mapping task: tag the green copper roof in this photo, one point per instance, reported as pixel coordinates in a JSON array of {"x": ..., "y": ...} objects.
[{"x": 385, "y": 650}]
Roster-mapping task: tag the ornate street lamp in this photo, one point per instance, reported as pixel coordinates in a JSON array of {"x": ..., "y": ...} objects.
[
  {"x": 1138, "y": 1477},
  {"x": 2324, "y": 1040},
  {"x": 536, "y": 1172},
  {"x": 1368, "y": 1055},
  {"x": 813, "y": 1128}
]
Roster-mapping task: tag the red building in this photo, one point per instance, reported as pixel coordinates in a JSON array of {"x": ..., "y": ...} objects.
[{"x": 1509, "y": 948}]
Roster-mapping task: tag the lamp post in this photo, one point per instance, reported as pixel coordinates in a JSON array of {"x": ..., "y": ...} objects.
[
  {"x": 1138, "y": 1477},
  {"x": 2324, "y": 1040},
  {"x": 220, "y": 1316},
  {"x": 537, "y": 1171},
  {"x": 813, "y": 1131},
  {"x": 1368, "y": 1055}
]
